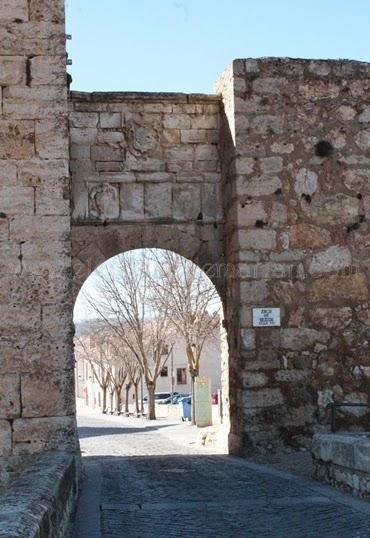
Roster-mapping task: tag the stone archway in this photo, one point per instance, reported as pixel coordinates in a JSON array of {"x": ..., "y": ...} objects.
[{"x": 270, "y": 178}]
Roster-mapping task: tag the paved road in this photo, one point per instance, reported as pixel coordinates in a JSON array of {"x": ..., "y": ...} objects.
[{"x": 151, "y": 481}]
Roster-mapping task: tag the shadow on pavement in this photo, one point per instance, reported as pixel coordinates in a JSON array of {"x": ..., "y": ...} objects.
[
  {"x": 87, "y": 431},
  {"x": 210, "y": 495}
]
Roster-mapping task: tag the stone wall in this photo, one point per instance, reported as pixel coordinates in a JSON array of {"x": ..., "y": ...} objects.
[
  {"x": 36, "y": 359},
  {"x": 39, "y": 504},
  {"x": 147, "y": 167},
  {"x": 296, "y": 170},
  {"x": 270, "y": 194},
  {"x": 343, "y": 461}
]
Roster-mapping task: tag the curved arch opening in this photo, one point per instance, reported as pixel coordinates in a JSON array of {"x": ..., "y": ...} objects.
[{"x": 150, "y": 341}]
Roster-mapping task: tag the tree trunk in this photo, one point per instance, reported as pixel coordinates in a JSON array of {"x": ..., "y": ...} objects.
[
  {"x": 193, "y": 400},
  {"x": 151, "y": 401},
  {"x": 141, "y": 395},
  {"x": 118, "y": 401},
  {"x": 111, "y": 395},
  {"x": 127, "y": 397},
  {"x": 104, "y": 407},
  {"x": 137, "y": 399}
]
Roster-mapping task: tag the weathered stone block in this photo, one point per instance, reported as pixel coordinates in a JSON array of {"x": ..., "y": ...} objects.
[
  {"x": 172, "y": 137},
  {"x": 248, "y": 339},
  {"x": 271, "y": 165},
  {"x": 47, "y": 10},
  {"x": 51, "y": 200},
  {"x": 4, "y": 229},
  {"x": 333, "y": 318},
  {"x": 339, "y": 208},
  {"x": 305, "y": 235},
  {"x": 262, "y": 398},
  {"x": 363, "y": 140},
  {"x": 39, "y": 102},
  {"x": 110, "y": 120},
  {"x": 158, "y": 200},
  {"x": 86, "y": 136},
  {"x": 9, "y": 257},
  {"x": 106, "y": 153},
  {"x": 332, "y": 259},
  {"x": 132, "y": 201},
  {"x": 177, "y": 121},
  {"x": 8, "y": 173},
  {"x": 17, "y": 200},
  {"x": 12, "y": 70},
  {"x": 83, "y": 119},
  {"x": 269, "y": 85},
  {"x": 263, "y": 186},
  {"x": 206, "y": 152},
  {"x": 103, "y": 201},
  {"x": 17, "y": 139},
  {"x": 338, "y": 288},
  {"x": 302, "y": 338},
  {"x": 48, "y": 70},
  {"x": 5, "y": 438},
  {"x": 179, "y": 153},
  {"x": 292, "y": 376},
  {"x": 10, "y": 397},
  {"x": 266, "y": 124},
  {"x": 50, "y": 172},
  {"x": 248, "y": 214},
  {"x": 56, "y": 228},
  {"x": 257, "y": 239},
  {"x": 36, "y": 402},
  {"x": 206, "y": 121},
  {"x": 255, "y": 379},
  {"x": 14, "y": 9},
  {"x": 31, "y": 435},
  {"x": 306, "y": 182},
  {"x": 186, "y": 201},
  {"x": 51, "y": 138},
  {"x": 43, "y": 255},
  {"x": 253, "y": 293}
]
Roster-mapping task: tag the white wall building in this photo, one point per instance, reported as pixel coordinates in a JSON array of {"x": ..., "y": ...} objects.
[{"x": 88, "y": 389}]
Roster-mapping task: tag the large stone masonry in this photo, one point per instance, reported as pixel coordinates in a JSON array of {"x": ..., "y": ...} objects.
[
  {"x": 36, "y": 360},
  {"x": 147, "y": 168},
  {"x": 296, "y": 172},
  {"x": 266, "y": 185}
]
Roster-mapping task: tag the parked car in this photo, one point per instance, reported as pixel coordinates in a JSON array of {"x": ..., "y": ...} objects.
[
  {"x": 159, "y": 397},
  {"x": 169, "y": 399},
  {"x": 184, "y": 397},
  {"x": 177, "y": 397}
]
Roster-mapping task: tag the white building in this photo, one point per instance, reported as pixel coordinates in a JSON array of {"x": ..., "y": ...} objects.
[{"x": 176, "y": 367}]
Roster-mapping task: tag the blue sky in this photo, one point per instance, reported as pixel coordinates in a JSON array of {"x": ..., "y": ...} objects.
[{"x": 184, "y": 45}]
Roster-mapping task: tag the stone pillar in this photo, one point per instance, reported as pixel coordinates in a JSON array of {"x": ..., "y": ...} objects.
[
  {"x": 296, "y": 172},
  {"x": 36, "y": 357}
]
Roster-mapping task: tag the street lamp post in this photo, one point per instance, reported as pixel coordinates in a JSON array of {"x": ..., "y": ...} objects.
[{"x": 172, "y": 378}]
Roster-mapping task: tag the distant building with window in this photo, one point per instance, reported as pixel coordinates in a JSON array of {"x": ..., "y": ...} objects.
[
  {"x": 177, "y": 367},
  {"x": 175, "y": 374}
]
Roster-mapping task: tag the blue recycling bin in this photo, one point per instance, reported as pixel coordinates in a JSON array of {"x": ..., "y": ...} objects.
[{"x": 185, "y": 409}]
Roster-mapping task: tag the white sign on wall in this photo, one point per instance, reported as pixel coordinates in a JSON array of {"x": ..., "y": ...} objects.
[{"x": 266, "y": 317}]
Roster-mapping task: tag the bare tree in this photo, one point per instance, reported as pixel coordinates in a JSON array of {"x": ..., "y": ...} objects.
[
  {"x": 96, "y": 352},
  {"x": 180, "y": 287},
  {"x": 122, "y": 301},
  {"x": 129, "y": 371}
]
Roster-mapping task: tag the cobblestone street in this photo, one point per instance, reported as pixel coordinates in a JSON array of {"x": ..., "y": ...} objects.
[{"x": 150, "y": 480}]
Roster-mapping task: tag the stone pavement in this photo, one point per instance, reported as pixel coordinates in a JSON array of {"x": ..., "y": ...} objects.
[{"x": 150, "y": 480}]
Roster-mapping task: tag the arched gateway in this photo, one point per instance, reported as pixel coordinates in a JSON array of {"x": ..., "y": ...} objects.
[{"x": 265, "y": 185}]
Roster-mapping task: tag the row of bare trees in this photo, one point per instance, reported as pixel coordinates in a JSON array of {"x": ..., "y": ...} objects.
[
  {"x": 112, "y": 366},
  {"x": 145, "y": 300}
]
